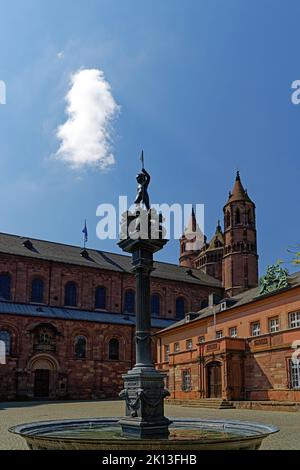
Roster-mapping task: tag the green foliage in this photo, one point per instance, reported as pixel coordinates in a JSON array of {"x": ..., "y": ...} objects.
[{"x": 296, "y": 259}]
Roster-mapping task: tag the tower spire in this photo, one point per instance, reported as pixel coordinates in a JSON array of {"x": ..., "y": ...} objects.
[
  {"x": 240, "y": 260},
  {"x": 238, "y": 192}
]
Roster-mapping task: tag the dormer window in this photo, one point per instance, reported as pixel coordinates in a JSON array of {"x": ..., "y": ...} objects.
[
  {"x": 28, "y": 244},
  {"x": 85, "y": 254}
]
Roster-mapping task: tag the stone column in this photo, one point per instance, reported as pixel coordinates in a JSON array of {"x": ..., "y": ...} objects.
[
  {"x": 143, "y": 317},
  {"x": 144, "y": 388}
]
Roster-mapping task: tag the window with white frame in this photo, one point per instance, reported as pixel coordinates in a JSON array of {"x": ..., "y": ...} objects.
[
  {"x": 219, "y": 334},
  {"x": 176, "y": 347},
  {"x": 233, "y": 332},
  {"x": 186, "y": 380},
  {"x": 189, "y": 344},
  {"x": 201, "y": 339},
  {"x": 273, "y": 324},
  {"x": 167, "y": 352},
  {"x": 294, "y": 320},
  {"x": 295, "y": 373},
  {"x": 255, "y": 328}
]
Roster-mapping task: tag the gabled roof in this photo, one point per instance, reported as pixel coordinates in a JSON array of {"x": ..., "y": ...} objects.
[{"x": 59, "y": 252}]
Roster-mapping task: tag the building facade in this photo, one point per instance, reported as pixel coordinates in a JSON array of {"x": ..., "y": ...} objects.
[
  {"x": 67, "y": 316},
  {"x": 242, "y": 348}
]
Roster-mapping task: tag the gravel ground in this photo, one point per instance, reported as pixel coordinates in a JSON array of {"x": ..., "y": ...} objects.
[{"x": 18, "y": 412}]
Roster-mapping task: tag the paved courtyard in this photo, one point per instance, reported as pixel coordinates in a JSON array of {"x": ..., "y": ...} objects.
[{"x": 14, "y": 413}]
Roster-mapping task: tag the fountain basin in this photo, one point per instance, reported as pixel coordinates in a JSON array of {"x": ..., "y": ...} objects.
[{"x": 105, "y": 434}]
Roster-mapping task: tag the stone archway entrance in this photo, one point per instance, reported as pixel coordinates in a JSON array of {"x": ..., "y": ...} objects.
[
  {"x": 41, "y": 383},
  {"x": 44, "y": 376},
  {"x": 214, "y": 380}
]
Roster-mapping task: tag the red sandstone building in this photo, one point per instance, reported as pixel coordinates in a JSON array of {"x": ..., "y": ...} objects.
[
  {"x": 239, "y": 349},
  {"x": 240, "y": 346},
  {"x": 67, "y": 318}
]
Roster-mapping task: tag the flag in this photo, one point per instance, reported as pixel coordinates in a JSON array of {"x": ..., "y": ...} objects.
[{"x": 85, "y": 232}]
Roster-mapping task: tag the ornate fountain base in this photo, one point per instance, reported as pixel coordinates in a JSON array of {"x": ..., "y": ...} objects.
[
  {"x": 144, "y": 393},
  {"x": 106, "y": 433}
]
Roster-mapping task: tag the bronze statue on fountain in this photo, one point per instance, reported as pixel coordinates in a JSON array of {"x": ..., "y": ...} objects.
[{"x": 142, "y": 234}]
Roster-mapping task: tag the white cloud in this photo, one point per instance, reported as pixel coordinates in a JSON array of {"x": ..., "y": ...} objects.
[
  {"x": 60, "y": 55},
  {"x": 85, "y": 137}
]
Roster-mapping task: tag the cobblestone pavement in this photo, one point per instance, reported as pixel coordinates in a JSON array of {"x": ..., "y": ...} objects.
[{"x": 15, "y": 413}]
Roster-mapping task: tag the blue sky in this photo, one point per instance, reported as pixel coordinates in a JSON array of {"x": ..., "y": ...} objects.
[{"x": 204, "y": 87}]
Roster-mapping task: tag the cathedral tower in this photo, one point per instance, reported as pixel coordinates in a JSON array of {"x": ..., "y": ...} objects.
[
  {"x": 191, "y": 242},
  {"x": 240, "y": 260},
  {"x": 210, "y": 258}
]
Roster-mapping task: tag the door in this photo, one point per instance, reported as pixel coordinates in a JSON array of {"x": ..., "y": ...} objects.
[
  {"x": 41, "y": 383},
  {"x": 214, "y": 380}
]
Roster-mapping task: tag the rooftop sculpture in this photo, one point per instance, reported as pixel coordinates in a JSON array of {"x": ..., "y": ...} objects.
[{"x": 275, "y": 278}]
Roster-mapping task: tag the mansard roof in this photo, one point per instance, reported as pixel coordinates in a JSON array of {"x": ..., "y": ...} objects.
[{"x": 74, "y": 255}]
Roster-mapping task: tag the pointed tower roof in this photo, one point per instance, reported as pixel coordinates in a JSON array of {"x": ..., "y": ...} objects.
[
  {"x": 238, "y": 193},
  {"x": 217, "y": 240},
  {"x": 192, "y": 223},
  {"x": 192, "y": 228}
]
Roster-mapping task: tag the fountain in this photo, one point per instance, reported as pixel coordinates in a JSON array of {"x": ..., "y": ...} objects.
[{"x": 144, "y": 427}]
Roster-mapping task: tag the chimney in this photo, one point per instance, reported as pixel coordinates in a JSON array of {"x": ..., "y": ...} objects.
[{"x": 213, "y": 299}]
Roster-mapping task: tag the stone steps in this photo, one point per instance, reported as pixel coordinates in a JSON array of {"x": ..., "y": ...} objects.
[{"x": 213, "y": 403}]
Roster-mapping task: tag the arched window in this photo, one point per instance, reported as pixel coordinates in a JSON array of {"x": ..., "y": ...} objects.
[
  {"x": 249, "y": 216},
  {"x": 180, "y": 307},
  {"x": 113, "y": 349},
  {"x": 80, "y": 347},
  {"x": 5, "y": 336},
  {"x": 129, "y": 302},
  {"x": 237, "y": 216},
  {"x": 5, "y": 284},
  {"x": 70, "y": 294},
  {"x": 100, "y": 297},
  {"x": 155, "y": 305},
  {"x": 37, "y": 291},
  {"x": 228, "y": 219}
]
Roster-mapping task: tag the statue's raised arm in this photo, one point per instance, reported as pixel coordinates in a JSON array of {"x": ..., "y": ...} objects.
[{"x": 148, "y": 177}]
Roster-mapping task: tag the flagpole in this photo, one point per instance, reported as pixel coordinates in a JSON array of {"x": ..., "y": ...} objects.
[{"x": 84, "y": 235}]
